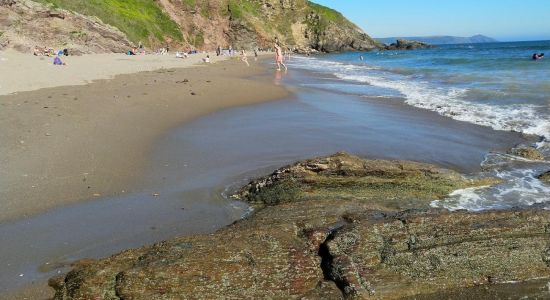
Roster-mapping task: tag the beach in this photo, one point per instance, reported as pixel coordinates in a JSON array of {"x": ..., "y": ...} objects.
[
  {"x": 66, "y": 144},
  {"x": 120, "y": 163}
]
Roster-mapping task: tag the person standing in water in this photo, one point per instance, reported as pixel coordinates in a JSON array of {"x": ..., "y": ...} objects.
[{"x": 279, "y": 57}]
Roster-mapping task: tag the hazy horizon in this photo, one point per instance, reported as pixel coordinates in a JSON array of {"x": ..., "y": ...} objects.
[{"x": 505, "y": 20}]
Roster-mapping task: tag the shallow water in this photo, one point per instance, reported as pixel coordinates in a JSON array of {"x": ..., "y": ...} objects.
[
  {"x": 494, "y": 85},
  {"x": 193, "y": 166}
]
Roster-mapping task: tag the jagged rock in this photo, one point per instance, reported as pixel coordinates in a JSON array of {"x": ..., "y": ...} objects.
[
  {"x": 408, "y": 45},
  {"x": 527, "y": 153},
  {"x": 329, "y": 248}
]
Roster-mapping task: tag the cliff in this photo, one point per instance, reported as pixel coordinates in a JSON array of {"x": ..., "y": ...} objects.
[
  {"x": 187, "y": 24},
  {"x": 337, "y": 227}
]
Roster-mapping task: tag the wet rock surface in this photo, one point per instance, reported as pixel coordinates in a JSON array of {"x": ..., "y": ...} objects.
[
  {"x": 331, "y": 247},
  {"x": 527, "y": 153}
]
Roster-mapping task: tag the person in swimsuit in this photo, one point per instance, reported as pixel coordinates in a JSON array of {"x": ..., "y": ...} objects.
[
  {"x": 244, "y": 58},
  {"x": 279, "y": 58}
]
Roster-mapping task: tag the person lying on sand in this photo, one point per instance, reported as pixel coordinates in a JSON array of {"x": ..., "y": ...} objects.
[
  {"x": 58, "y": 62},
  {"x": 181, "y": 54},
  {"x": 206, "y": 59}
]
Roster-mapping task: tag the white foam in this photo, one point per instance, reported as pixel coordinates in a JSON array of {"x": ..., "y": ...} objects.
[
  {"x": 518, "y": 188},
  {"x": 525, "y": 118},
  {"x": 520, "y": 117}
]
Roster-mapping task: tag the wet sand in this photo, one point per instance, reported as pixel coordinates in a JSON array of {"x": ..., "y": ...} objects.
[{"x": 68, "y": 144}]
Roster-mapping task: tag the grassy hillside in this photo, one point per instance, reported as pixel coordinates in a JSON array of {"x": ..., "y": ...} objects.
[{"x": 141, "y": 20}]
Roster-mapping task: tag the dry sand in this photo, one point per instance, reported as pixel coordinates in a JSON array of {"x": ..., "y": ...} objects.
[
  {"x": 67, "y": 144},
  {"x": 25, "y": 72}
]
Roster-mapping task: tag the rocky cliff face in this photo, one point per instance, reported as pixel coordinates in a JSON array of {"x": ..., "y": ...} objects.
[
  {"x": 335, "y": 228},
  {"x": 198, "y": 24},
  {"x": 258, "y": 23},
  {"x": 25, "y": 24}
]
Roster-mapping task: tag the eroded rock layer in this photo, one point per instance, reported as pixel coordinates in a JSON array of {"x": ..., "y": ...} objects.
[{"x": 325, "y": 246}]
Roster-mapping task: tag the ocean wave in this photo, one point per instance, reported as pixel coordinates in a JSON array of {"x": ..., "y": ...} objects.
[
  {"x": 519, "y": 186},
  {"x": 524, "y": 118}
]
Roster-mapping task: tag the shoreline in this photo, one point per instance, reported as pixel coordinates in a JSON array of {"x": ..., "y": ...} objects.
[{"x": 74, "y": 143}]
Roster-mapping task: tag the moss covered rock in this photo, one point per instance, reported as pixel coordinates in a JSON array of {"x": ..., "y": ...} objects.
[{"x": 325, "y": 231}]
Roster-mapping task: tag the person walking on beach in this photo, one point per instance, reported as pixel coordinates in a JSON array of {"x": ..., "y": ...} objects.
[
  {"x": 279, "y": 57},
  {"x": 244, "y": 58}
]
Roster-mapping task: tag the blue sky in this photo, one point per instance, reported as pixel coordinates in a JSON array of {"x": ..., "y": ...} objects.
[{"x": 506, "y": 20}]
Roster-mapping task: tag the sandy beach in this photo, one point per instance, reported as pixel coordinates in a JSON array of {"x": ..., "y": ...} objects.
[
  {"x": 67, "y": 144},
  {"x": 25, "y": 72}
]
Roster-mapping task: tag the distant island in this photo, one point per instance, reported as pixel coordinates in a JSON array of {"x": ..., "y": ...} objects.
[{"x": 442, "y": 40}]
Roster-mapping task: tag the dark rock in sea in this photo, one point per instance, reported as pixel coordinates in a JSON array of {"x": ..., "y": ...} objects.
[
  {"x": 408, "y": 45},
  {"x": 527, "y": 153},
  {"x": 545, "y": 177},
  {"x": 335, "y": 233}
]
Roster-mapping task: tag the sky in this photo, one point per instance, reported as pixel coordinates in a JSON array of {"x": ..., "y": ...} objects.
[{"x": 505, "y": 20}]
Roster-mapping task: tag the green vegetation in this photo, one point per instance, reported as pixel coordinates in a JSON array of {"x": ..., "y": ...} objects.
[
  {"x": 326, "y": 13},
  {"x": 326, "y": 16},
  {"x": 240, "y": 9},
  {"x": 140, "y": 20}
]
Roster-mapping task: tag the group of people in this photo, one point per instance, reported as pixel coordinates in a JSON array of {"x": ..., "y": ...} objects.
[
  {"x": 44, "y": 51},
  {"x": 280, "y": 54}
]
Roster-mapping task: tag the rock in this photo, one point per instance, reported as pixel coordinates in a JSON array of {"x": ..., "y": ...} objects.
[
  {"x": 527, "y": 153},
  {"x": 408, "y": 45},
  {"x": 340, "y": 238},
  {"x": 388, "y": 184},
  {"x": 545, "y": 177}
]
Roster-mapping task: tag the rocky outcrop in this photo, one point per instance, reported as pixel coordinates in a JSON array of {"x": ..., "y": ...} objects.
[
  {"x": 527, "y": 153},
  {"x": 25, "y": 24},
  {"x": 299, "y": 25},
  {"x": 388, "y": 184},
  {"x": 408, "y": 45},
  {"x": 331, "y": 247}
]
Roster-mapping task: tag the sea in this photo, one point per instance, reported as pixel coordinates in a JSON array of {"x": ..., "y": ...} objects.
[{"x": 495, "y": 85}]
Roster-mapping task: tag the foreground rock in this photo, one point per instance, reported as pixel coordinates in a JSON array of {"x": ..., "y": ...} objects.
[
  {"x": 408, "y": 45},
  {"x": 331, "y": 247}
]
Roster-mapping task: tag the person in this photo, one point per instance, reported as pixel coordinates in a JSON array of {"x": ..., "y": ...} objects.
[
  {"x": 181, "y": 54},
  {"x": 361, "y": 58},
  {"x": 538, "y": 56},
  {"x": 206, "y": 59},
  {"x": 244, "y": 58},
  {"x": 58, "y": 62},
  {"x": 279, "y": 57},
  {"x": 131, "y": 52},
  {"x": 66, "y": 52},
  {"x": 255, "y": 55},
  {"x": 219, "y": 50}
]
